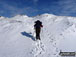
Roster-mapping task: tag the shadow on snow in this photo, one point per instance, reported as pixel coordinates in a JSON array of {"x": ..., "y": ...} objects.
[{"x": 28, "y": 35}]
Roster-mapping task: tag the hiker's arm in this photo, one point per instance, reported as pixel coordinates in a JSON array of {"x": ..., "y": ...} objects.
[{"x": 41, "y": 25}]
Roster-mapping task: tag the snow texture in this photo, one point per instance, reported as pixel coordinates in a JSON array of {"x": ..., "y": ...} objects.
[{"x": 17, "y": 36}]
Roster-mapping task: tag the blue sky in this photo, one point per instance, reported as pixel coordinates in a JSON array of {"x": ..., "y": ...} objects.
[{"x": 9, "y": 8}]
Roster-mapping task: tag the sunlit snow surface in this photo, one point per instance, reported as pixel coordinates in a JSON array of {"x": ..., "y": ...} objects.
[{"x": 17, "y": 36}]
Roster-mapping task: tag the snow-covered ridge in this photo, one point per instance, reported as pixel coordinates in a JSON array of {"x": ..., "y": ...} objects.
[
  {"x": 17, "y": 36},
  {"x": 1, "y": 17}
]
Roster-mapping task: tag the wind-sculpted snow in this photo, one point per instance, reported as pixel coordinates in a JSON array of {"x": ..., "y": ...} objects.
[{"x": 17, "y": 36}]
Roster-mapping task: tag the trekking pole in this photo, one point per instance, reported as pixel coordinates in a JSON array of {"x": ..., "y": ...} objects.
[
  {"x": 42, "y": 32},
  {"x": 34, "y": 34}
]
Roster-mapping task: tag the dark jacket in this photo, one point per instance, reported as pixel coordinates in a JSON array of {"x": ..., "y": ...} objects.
[{"x": 38, "y": 24}]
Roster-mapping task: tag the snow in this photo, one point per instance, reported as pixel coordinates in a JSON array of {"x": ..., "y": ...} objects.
[{"x": 17, "y": 36}]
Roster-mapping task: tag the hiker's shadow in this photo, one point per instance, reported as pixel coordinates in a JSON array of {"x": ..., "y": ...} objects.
[{"x": 28, "y": 35}]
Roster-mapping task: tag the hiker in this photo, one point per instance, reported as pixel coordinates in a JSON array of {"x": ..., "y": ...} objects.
[{"x": 37, "y": 27}]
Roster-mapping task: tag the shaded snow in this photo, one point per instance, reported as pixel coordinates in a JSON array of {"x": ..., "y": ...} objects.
[{"x": 17, "y": 36}]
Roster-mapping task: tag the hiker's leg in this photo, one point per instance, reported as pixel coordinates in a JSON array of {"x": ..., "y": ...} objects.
[
  {"x": 39, "y": 33},
  {"x": 37, "y": 36}
]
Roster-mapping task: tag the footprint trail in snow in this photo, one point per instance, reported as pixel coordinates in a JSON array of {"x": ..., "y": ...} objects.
[{"x": 38, "y": 48}]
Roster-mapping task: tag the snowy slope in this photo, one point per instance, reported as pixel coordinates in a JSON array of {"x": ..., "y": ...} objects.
[{"x": 17, "y": 36}]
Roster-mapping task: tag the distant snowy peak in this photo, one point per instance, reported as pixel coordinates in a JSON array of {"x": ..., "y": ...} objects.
[
  {"x": 46, "y": 14},
  {"x": 20, "y": 17},
  {"x": 17, "y": 16},
  {"x": 1, "y": 17}
]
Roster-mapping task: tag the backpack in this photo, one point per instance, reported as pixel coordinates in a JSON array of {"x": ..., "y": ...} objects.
[{"x": 38, "y": 24}]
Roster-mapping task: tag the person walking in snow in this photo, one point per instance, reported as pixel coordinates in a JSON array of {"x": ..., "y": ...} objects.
[{"x": 37, "y": 27}]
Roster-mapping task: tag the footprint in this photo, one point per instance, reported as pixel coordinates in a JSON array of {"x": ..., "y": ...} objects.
[{"x": 38, "y": 49}]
